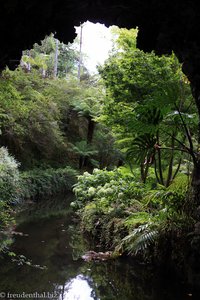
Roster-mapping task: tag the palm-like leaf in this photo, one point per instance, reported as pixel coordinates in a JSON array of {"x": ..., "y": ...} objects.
[
  {"x": 142, "y": 242},
  {"x": 140, "y": 239},
  {"x": 141, "y": 147},
  {"x": 83, "y": 149}
]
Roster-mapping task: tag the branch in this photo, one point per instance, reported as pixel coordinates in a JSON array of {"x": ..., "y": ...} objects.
[
  {"x": 178, "y": 141},
  {"x": 177, "y": 170},
  {"x": 156, "y": 173},
  {"x": 170, "y": 168},
  {"x": 187, "y": 134},
  {"x": 159, "y": 160},
  {"x": 187, "y": 150},
  {"x": 177, "y": 149}
]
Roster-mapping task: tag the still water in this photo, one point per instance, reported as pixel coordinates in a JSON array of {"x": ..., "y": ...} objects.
[{"x": 53, "y": 268}]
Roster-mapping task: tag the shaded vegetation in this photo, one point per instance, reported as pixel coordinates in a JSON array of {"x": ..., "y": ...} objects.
[
  {"x": 142, "y": 207},
  {"x": 47, "y": 123},
  {"x": 125, "y": 142},
  {"x": 37, "y": 184},
  {"x": 125, "y": 215}
]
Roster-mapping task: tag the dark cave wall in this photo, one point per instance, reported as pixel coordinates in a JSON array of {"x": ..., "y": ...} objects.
[{"x": 164, "y": 25}]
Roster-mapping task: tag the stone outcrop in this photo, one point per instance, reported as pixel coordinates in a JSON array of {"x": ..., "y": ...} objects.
[{"x": 97, "y": 256}]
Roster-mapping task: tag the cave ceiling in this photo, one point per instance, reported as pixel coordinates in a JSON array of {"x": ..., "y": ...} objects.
[{"x": 164, "y": 25}]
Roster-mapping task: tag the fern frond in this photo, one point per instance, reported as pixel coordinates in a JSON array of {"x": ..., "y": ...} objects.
[
  {"x": 143, "y": 242},
  {"x": 139, "y": 240}
]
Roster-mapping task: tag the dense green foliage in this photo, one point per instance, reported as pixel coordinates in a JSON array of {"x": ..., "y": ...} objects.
[
  {"x": 111, "y": 187},
  {"x": 42, "y": 58},
  {"x": 149, "y": 108},
  {"x": 37, "y": 184},
  {"x": 129, "y": 137},
  {"x": 9, "y": 193},
  {"x": 105, "y": 198},
  {"x": 47, "y": 123},
  {"x": 41, "y": 119},
  {"x": 124, "y": 214},
  {"x": 29, "y": 119},
  {"x": 9, "y": 177}
]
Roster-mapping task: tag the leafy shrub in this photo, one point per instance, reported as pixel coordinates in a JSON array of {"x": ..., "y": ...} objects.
[
  {"x": 168, "y": 219},
  {"x": 6, "y": 221},
  {"x": 172, "y": 198},
  {"x": 40, "y": 183},
  {"x": 127, "y": 216},
  {"x": 105, "y": 200},
  {"x": 178, "y": 189},
  {"x": 9, "y": 177},
  {"x": 136, "y": 219},
  {"x": 5, "y": 217},
  {"x": 9, "y": 194},
  {"x": 107, "y": 188}
]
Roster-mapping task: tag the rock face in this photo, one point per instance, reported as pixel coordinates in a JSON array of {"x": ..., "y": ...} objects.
[{"x": 97, "y": 256}]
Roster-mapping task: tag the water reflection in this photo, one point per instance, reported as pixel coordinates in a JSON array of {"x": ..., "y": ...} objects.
[
  {"x": 78, "y": 289},
  {"x": 55, "y": 243}
]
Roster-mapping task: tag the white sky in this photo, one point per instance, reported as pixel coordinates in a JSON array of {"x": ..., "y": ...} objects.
[{"x": 96, "y": 44}]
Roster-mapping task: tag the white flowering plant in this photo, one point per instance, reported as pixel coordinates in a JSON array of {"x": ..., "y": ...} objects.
[{"x": 107, "y": 189}]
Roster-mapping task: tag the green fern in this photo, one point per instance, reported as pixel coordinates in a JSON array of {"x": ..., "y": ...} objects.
[
  {"x": 143, "y": 242},
  {"x": 139, "y": 240}
]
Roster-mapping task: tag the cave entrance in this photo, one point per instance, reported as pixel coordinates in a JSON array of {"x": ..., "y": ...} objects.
[{"x": 90, "y": 48}]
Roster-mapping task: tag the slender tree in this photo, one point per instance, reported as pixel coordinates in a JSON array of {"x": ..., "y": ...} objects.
[
  {"x": 55, "y": 70},
  {"x": 80, "y": 52}
]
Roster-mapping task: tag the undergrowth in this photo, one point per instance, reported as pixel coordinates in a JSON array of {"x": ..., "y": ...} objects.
[
  {"x": 40, "y": 183},
  {"x": 126, "y": 216}
]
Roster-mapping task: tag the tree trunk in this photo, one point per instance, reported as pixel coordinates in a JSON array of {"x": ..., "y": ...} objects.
[
  {"x": 43, "y": 73},
  {"x": 170, "y": 168},
  {"x": 178, "y": 168},
  {"x": 81, "y": 162},
  {"x": 29, "y": 64},
  {"x": 80, "y": 53},
  {"x": 156, "y": 172},
  {"x": 195, "y": 191},
  {"x": 160, "y": 162},
  {"x": 195, "y": 183},
  {"x": 90, "y": 132},
  {"x": 144, "y": 171},
  {"x": 55, "y": 70}
]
